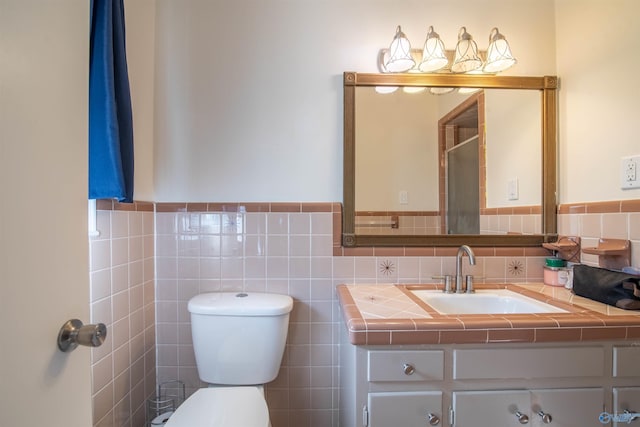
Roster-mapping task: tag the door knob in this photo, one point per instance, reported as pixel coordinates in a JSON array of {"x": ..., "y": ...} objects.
[{"x": 74, "y": 333}]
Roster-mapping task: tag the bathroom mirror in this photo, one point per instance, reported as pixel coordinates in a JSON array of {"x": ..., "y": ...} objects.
[{"x": 403, "y": 154}]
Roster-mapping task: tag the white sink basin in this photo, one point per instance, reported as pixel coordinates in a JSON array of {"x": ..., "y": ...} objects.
[{"x": 484, "y": 301}]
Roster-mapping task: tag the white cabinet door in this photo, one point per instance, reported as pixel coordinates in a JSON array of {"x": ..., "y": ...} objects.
[
  {"x": 496, "y": 408},
  {"x": 567, "y": 407},
  {"x": 406, "y": 409},
  {"x": 626, "y": 399}
]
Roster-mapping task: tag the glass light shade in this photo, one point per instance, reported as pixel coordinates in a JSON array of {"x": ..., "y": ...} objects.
[
  {"x": 468, "y": 90},
  {"x": 433, "y": 53},
  {"x": 399, "y": 59},
  {"x": 386, "y": 89},
  {"x": 413, "y": 89},
  {"x": 499, "y": 56},
  {"x": 440, "y": 90},
  {"x": 466, "y": 58}
]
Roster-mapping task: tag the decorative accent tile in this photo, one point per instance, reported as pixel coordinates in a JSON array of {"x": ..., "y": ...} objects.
[{"x": 516, "y": 268}]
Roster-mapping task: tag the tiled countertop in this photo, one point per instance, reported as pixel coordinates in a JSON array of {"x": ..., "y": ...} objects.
[{"x": 387, "y": 314}]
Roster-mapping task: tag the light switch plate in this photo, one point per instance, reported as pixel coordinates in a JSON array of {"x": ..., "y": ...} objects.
[
  {"x": 630, "y": 172},
  {"x": 404, "y": 197},
  {"x": 512, "y": 189}
]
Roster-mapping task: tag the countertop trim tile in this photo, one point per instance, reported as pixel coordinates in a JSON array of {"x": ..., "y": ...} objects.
[{"x": 586, "y": 320}]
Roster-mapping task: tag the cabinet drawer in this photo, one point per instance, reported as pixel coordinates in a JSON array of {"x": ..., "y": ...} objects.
[
  {"x": 569, "y": 362},
  {"x": 406, "y": 365},
  {"x": 625, "y": 362},
  {"x": 406, "y": 409}
]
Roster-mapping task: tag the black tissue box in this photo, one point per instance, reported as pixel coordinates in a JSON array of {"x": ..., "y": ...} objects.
[{"x": 615, "y": 288}]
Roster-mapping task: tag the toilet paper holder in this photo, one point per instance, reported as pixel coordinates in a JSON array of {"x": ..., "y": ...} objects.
[{"x": 74, "y": 333}]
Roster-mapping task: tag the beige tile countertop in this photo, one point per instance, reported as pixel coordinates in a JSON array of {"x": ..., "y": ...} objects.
[{"x": 388, "y": 314}]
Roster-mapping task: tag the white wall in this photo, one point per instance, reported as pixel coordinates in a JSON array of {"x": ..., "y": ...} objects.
[
  {"x": 248, "y": 100},
  {"x": 248, "y": 94},
  {"x": 597, "y": 46},
  {"x": 140, "y": 26}
]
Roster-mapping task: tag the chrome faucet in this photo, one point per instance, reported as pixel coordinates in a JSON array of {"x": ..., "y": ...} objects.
[{"x": 472, "y": 260}]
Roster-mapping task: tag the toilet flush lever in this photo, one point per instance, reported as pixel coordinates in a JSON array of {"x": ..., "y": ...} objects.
[{"x": 74, "y": 333}]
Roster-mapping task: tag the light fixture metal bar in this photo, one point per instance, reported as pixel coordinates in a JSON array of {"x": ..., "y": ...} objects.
[{"x": 447, "y": 80}]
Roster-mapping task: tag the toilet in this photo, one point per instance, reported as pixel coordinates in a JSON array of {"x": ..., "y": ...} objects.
[{"x": 238, "y": 340}]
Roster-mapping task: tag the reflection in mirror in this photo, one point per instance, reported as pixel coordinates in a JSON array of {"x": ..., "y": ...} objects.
[
  {"x": 424, "y": 166},
  {"x": 439, "y": 167},
  {"x": 396, "y": 170}
]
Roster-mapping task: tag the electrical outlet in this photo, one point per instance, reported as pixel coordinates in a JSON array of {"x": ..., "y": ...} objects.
[
  {"x": 629, "y": 173},
  {"x": 630, "y": 170}
]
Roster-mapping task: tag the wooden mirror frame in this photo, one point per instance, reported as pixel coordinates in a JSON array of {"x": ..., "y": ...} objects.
[{"x": 547, "y": 85}]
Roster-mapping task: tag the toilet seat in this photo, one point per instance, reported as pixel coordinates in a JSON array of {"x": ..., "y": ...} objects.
[{"x": 222, "y": 407}]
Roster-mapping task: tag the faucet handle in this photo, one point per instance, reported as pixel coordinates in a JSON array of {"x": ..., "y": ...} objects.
[
  {"x": 469, "y": 282},
  {"x": 447, "y": 284}
]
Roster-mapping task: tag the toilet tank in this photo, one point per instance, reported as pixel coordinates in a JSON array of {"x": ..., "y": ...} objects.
[{"x": 239, "y": 338}]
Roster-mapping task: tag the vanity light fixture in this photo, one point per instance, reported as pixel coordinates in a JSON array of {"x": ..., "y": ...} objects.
[
  {"x": 400, "y": 58},
  {"x": 499, "y": 56},
  {"x": 434, "y": 58},
  {"x": 467, "y": 58},
  {"x": 433, "y": 54}
]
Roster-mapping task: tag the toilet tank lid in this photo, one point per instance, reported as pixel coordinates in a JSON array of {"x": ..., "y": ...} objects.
[{"x": 240, "y": 304}]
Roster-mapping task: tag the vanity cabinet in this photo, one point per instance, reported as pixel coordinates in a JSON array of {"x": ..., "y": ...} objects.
[{"x": 470, "y": 385}]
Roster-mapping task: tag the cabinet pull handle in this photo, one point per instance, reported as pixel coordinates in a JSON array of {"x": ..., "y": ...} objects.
[
  {"x": 522, "y": 418},
  {"x": 546, "y": 418},
  {"x": 631, "y": 415},
  {"x": 433, "y": 419},
  {"x": 408, "y": 369}
]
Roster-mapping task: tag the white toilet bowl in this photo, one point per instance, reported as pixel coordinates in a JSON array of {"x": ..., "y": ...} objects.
[{"x": 223, "y": 407}]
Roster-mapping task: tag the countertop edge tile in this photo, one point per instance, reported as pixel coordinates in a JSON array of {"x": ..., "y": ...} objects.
[{"x": 587, "y": 321}]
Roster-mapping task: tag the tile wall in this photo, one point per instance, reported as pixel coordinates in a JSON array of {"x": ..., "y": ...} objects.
[
  {"x": 122, "y": 297},
  {"x": 281, "y": 247},
  {"x": 592, "y": 221},
  {"x": 292, "y": 249}
]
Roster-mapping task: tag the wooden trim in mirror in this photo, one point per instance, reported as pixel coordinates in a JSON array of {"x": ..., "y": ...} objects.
[{"x": 547, "y": 85}]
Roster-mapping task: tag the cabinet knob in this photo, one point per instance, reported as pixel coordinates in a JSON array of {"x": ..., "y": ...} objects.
[
  {"x": 522, "y": 418},
  {"x": 433, "y": 419},
  {"x": 546, "y": 418},
  {"x": 408, "y": 369}
]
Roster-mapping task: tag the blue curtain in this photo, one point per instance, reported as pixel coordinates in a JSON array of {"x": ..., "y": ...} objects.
[{"x": 110, "y": 117}]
